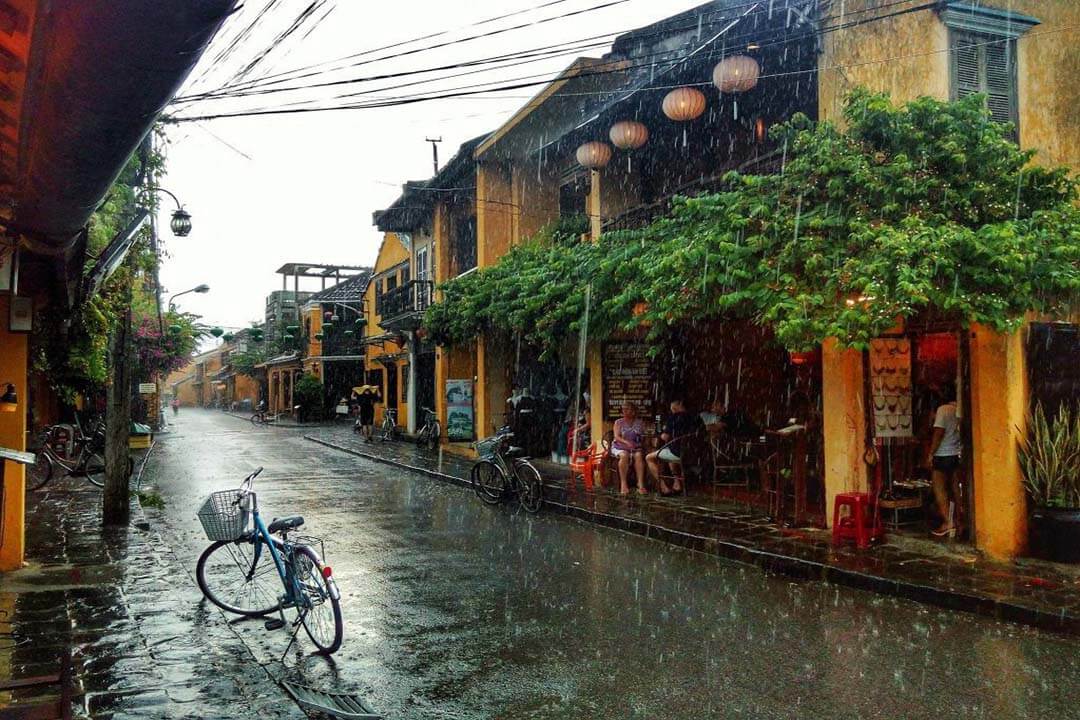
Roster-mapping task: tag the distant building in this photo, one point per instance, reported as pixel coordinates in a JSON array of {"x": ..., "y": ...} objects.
[{"x": 282, "y": 309}]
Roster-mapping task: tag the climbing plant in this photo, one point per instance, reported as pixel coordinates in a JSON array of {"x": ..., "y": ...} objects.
[{"x": 927, "y": 206}]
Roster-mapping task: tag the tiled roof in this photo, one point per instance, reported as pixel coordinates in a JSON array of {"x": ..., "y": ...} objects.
[{"x": 350, "y": 290}]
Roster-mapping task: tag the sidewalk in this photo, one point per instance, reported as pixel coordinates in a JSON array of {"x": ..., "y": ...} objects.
[
  {"x": 947, "y": 575},
  {"x": 127, "y": 609}
]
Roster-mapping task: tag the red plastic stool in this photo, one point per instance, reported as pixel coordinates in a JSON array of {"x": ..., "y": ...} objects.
[{"x": 862, "y": 523}]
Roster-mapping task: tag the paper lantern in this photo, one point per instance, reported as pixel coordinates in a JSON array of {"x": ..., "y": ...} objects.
[
  {"x": 359, "y": 321},
  {"x": 217, "y": 332},
  {"x": 683, "y": 104},
  {"x": 628, "y": 134},
  {"x": 593, "y": 155},
  {"x": 319, "y": 336},
  {"x": 327, "y": 326},
  {"x": 175, "y": 329},
  {"x": 328, "y": 314},
  {"x": 735, "y": 74}
]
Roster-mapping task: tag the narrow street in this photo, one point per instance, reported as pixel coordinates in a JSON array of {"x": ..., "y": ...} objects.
[{"x": 458, "y": 610}]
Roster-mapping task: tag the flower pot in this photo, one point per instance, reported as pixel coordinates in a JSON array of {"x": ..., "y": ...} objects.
[{"x": 1055, "y": 534}]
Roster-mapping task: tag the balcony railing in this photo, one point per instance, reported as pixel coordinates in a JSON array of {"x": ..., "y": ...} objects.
[{"x": 407, "y": 301}]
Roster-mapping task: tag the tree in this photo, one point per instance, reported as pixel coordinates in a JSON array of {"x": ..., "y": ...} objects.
[
  {"x": 924, "y": 208},
  {"x": 308, "y": 394}
]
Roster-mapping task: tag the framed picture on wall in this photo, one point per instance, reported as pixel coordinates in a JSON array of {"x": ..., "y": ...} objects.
[
  {"x": 7, "y": 267},
  {"x": 22, "y": 314}
]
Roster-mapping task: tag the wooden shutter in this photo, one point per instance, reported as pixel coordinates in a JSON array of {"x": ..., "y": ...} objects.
[{"x": 986, "y": 64}]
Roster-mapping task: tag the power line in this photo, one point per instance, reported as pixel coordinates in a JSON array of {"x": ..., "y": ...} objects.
[{"x": 458, "y": 93}]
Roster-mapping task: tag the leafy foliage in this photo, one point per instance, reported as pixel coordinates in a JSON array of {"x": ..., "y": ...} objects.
[
  {"x": 1050, "y": 458},
  {"x": 927, "y": 207},
  {"x": 308, "y": 394},
  {"x": 158, "y": 354}
]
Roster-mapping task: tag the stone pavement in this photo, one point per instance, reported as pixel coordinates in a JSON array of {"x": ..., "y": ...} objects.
[
  {"x": 944, "y": 574},
  {"x": 143, "y": 643}
]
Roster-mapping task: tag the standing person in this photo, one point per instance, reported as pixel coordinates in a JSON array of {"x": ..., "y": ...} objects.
[
  {"x": 680, "y": 424},
  {"x": 175, "y": 406},
  {"x": 943, "y": 458},
  {"x": 627, "y": 448},
  {"x": 365, "y": 423}
]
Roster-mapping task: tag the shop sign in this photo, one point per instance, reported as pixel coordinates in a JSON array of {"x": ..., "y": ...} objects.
[
  {"x": 147, "y": 388},
  {"x": 627, "y": 378},
  {"x": 459, "y": 410}
]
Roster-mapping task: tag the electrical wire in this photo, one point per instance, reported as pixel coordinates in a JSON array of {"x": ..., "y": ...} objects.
[{"x": 457, "y": 93}]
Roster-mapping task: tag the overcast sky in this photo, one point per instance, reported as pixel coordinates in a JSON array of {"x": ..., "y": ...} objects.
[{"x": 266, "y": 190}]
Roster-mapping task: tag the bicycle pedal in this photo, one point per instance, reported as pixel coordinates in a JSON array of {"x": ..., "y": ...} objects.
[{"x": 274, "y": 624}]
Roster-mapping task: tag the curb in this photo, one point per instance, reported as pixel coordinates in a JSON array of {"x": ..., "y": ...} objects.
[
  {"x": 282, "y": 426},
  {"x": 138, "y": 517},
  {"x": 790, "y": 565}
]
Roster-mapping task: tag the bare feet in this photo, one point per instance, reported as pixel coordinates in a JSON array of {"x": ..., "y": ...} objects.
[{"x": 624, "y": 490}]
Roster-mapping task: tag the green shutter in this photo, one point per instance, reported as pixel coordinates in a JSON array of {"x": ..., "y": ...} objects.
[{"x": 966, "y": 80}]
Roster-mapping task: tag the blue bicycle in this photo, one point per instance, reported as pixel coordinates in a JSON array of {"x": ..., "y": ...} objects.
[{"x": 245, "y": 568}]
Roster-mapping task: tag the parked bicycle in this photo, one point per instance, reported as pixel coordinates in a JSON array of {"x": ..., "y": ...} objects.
[
  {"x": 83, "y": 456},
  {"x": 503, "y": 472},
  {"x": 236, "y": 572},
  {"x": 429, "y": 434},
  {"x": 387, "y": 430}
]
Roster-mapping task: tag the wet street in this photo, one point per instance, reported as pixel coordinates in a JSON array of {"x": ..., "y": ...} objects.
[{"x": 457, "y": 610}]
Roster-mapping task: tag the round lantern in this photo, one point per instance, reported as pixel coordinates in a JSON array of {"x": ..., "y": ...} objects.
[
  {"x": 318, "y": 336},
  {"x": 175, "y": 329},
  {"x": 683, "y": 104},
  {"x": 348, "y": 333},
  {"x": 328, "y": 314},
  {"x": 181, "y": 223},
  {"x": 735, "y": 74},
  {"x": 359, "y": 321},
  {"x": 327, "y": 327},
  {"x": 217, "y": 332},
  {"x": 628, "y": 134},
  {"x": 292, "y": 329},
  {"x": 227, "y": 337},
  {"x": 334, "y": 317},
  {"x": 593, "y": 155},
  {"x": 287, "y": 336}
]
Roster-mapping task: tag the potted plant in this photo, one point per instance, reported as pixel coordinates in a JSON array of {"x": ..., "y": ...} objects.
[{"x": 1050, "y": 461}]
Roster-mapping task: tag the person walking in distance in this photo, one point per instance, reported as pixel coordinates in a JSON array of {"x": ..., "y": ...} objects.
[{"x": 943, "y": 458}]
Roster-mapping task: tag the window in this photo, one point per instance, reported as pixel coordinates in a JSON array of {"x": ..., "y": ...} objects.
[
  {"x": 464, "y": 243},
  {"x": 405, "y": 275},
  {"x": 982, "y": 54},
  {"x": 986, "y": 64},
  {"x": 572, "y": 195}
]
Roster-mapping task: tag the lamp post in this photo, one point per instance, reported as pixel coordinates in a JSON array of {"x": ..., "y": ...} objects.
[{"x": 203, "y": 288}]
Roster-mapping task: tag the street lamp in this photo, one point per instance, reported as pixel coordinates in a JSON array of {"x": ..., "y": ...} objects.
[
  {"x": 181, "y": 218},
  {"x": 204, "y": 288}
]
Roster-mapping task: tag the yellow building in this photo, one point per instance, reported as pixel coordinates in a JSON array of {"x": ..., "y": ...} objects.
[
  {"x": 57, "y": 166},
  {"x": 387, "y": 360},
  {"x": 529, "y": 174}
]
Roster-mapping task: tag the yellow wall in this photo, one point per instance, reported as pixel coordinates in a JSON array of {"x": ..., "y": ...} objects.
[
  {"x": 391, "y": 253},
  {"x": 844, "y": 424},
  {"x": 908, "y": 57},
  {"x": 998, "y": 418},
  {"x": 536, "y": 198},
  {"x": 495, "y": 212},
  {"x": 13, "y": 369}
]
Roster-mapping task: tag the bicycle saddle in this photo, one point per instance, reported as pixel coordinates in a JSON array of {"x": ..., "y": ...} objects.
[{"x": 287, "y": 523}]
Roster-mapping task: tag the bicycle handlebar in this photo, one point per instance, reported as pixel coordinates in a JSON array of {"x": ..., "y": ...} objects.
[{"x": 245, "y": 486}]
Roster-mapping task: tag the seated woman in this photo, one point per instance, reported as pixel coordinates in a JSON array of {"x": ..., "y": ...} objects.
[{"x": 627, "y": 448}]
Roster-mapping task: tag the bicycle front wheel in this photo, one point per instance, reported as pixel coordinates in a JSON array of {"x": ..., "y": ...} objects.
[
  {"x": 489, "y": 482},
  {"x": 231, "y": 578},
  {"x": 434, "y": 433},
  {"x": 320, "y": 606},
  {"x": 530, "y": 487},
  {"x": 255, "y": 419},
  {"x": 40, "y": 472},
  {"x": 95, "y": 469}
]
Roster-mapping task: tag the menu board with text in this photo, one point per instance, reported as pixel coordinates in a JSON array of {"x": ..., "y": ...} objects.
[{"x": 627, "y": 378}]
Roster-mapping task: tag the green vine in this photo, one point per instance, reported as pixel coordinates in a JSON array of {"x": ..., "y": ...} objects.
[{"x": 923, "y": 207}]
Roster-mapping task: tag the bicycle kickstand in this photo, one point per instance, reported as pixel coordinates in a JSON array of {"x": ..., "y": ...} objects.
[{"x": 292, "y": 636}]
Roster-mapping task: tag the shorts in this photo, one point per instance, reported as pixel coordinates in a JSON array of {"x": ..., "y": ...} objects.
[
  {"x": 666, "y": 455},
  {"x": 619, "y": 452},
  {"x": 946, "y": 463},
  {"x": 367, "y": 415}
]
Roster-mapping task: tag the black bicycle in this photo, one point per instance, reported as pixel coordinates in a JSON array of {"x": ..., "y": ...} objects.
[
  {"x": 83, "y": 457},
  {"x": 428, "y": 436},
  {"x": 504, "y": 472}
]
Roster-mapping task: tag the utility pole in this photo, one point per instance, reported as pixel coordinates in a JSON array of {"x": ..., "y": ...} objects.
[
  {"x": 435, "y": 151},
  {"x": 116, "y": 501}
]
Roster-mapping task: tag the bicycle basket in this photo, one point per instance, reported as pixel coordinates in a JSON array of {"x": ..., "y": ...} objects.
[
  {"x": 222, "y": 518},
  {"x": 486, "y": 448}
]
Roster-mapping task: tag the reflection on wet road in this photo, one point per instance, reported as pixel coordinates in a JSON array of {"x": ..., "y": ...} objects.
[{"x": 457, "y": 610}]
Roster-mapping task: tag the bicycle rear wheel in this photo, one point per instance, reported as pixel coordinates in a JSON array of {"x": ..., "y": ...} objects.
[
  {"x": 40, "y": 472},
  {"x": 320, "y": 609},
  {"x": 434, "y": 433},
  {"x": 489, "y": 482},
  {"x": 229, "y": 577},
  {"x": 530, "y": 487}
]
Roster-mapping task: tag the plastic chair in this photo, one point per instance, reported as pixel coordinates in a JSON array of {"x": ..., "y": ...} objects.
[{"x": 862, "y": 523}]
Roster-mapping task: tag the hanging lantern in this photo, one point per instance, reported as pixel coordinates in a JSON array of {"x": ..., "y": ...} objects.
[
  {"x": 228, "y": 337},
  {"x": 181, "y": 223},
  {"x": 760, "y": 130},
  {"x": 327, "y": 326},
  {"x": 683, "y": 104},
  {"x": 593, "y": 155},
  {"x": 175, "y": 329},
  {"x": 319, "y": 336},
  {"x": 217, "y": 332},
  {"x": 334, "y": 318},
  {"x": 349, "y": 333},
  {"x": 802, "y": 358},
  {"x": 327, "y": 315},
  {"x": 736, "y": 74},
  {"x": 292, "y": 329},
  {"x": 628, "y": 134},
  {"x": 359, "y": 321},
  {"x": 288, "y": 336}
]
